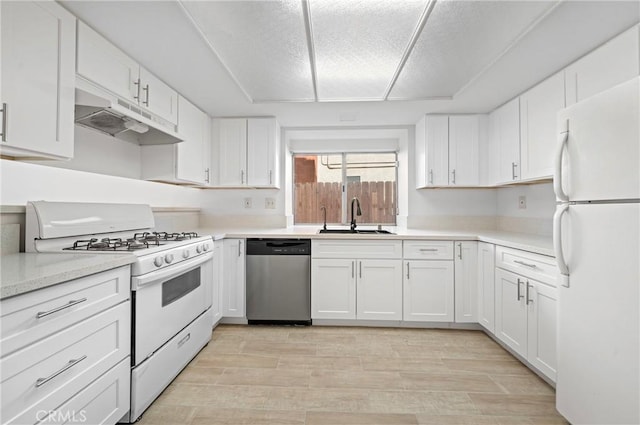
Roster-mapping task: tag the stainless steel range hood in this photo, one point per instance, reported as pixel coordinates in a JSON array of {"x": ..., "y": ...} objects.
[{"x": 102, "y": 111}]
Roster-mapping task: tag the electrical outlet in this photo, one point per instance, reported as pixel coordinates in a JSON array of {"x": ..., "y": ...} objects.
[
  {"x": 270, "y": 203},
  {"x": 247, "y": 202},
  {"x": 522, "y": 202}
]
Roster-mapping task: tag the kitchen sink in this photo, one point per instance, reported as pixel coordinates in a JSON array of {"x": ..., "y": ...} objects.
[{"x": 357, "y": 231}]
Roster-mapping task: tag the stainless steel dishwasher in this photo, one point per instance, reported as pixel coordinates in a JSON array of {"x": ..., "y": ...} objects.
[{"x": 279, "y": 281}]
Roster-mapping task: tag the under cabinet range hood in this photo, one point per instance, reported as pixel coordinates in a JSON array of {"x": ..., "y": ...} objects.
[{"x": 102, "y": 111}]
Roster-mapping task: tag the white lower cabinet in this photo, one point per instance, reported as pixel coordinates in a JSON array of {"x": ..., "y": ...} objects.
[
  {"x": 216, "y": 290},
  {"x": 486, "y": 285},
  {"x": 233, "y": 278},
  {"x": 466, "y": 282},
  {"x": 356, "y": 280},
  {"x": 428, "y": 291},
  {"x": 526, "y": 318}
]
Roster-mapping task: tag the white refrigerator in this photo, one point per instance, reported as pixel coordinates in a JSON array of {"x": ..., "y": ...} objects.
[{"x": 596, "y": 242}]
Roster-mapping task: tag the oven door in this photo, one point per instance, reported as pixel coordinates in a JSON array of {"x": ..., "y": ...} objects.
[{"x": 167, "y": 300}]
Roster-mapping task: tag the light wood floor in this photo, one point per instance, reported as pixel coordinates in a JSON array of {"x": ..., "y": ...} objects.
[{"x": 331, "y": 375}]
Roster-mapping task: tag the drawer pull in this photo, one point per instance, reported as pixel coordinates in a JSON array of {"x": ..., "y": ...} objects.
[
  {"x": 41, "y": 381},
  {"x": 533, "y": 266},
  {"x": 183, "y": 340},
  {"x": 428, "y": 249},
  {"x": 71, "y": 303}
]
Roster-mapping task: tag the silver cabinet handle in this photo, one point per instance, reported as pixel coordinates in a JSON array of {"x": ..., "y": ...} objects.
[
  {"x": 407, "y": 270},
  {"x": 533, "y": 266},
  {"x": 431, "y": 176},
  {"x": 557, "y": 174},
  {"x": 270, "y": 177},
  {"x": 183, "y": 340},
  {"x": 460, "y": 253},
  {"x": 146, "y": 101},
  {"x": 241, "y": 176},
  {"x": 360, "y": 267},
  {"x": 352, "y": 269},
  {"x": 206, "y": 175},
  {"x": 41, "y": 381},
  {"x": 71, "y": 303},
  {"x": 137, "y": 84},
  {"x": 527, "y": 300},
  {"x": 428, "y": 249},
  {"x": 513, "y": 171},
  {"x": 453, "y": 177},
  {"x": 239, "y": 248},
  {"x": 4, "y": 122},
  {"x": 519, "y": 295}
]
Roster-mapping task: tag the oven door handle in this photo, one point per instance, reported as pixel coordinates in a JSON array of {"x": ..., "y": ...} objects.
[{"x": 169, "y": 272}]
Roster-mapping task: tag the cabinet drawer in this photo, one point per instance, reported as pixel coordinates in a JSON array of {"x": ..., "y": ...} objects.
[
  {"x": 105, "y": 401},
  {"x": 45, "y": 374},
  {"x": 535, "y": 266},
  {"x": 80, "y": 299},
  {"x": 387, "y": 249},
  {"x": 428, "y": 250}
]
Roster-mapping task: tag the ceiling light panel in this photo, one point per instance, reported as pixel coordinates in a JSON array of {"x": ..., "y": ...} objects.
[
  {"x": 262, "y": 43},
  {"x": 459, "y": 41},
  {"x": 359, "y": 44}
]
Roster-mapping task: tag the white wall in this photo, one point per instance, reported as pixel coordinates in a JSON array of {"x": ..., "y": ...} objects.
[{"x": 22, "y": 182}]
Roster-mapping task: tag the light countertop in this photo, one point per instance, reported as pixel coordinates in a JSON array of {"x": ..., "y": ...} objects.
[
  {"x": 527, "y": 242},
  {"x": 25, "y": 272}
]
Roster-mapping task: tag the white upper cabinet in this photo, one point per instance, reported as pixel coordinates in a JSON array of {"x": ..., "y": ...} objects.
[
  {"x": 463, "y": 150},
  {"x": 538, "y": 127},
  {"x": 447, "y": 150},
  {"x": 613, "y": 63},
  {"x": 184, "y": 162},
  {"x": 38, "y": 80},
  {"x": 504, "y": 141},
  {"x": 263, "y": 140},
  {"x": 246, "y": 151},
  {"x": 103, "y": 63}
]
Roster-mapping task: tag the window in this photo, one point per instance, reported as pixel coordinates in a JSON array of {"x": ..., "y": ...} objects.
[{"x": 333, "y": 180}]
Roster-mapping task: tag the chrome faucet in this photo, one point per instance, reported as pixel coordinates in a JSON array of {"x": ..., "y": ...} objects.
[
  {"x": 358, "y": 212},
  {"x": 324, "y": 212}
]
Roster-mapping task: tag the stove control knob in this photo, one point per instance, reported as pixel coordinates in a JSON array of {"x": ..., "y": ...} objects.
[
  {"x": 168, "y": 258},
  {"x": 185, "y": 254},
  {"x": 199, "y": 249},
  {"x": 158, "y": 261},
  {"x": 205, "y": 247}
]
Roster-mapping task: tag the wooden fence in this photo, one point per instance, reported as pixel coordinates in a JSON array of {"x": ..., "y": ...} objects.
[{"x": 377, "y": 201}]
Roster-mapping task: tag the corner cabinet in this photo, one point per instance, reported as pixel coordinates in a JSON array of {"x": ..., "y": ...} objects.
[
  {"x": 37, "y": 91},
  {"x": 486, "y": 285},
  {"x": 247, "y": 152},
  {"x": 447, "y": 151},
  {"x": 233, "y": 278},
  {"x": 187, "y": 162},
  {"x": 356, "y": 280},
  {"x": 504, "y": 142}
]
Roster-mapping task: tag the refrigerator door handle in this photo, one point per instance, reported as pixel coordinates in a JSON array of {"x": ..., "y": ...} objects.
[
  {"x": 557, "y": 177},
  {"x": 557, "y": 244}
]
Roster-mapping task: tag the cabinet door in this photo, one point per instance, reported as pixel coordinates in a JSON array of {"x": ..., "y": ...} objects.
[
  {"x": 511, "y": 311},
  {"x": 428, "y": 291},
  {"x": 216, "y": 292},
  {"x": 333, "y": 289},
  {"x": 231, "y": 142},
  {"x": 106, "y": 65},
  {"x": 508, "y": 122},
  {"x": 158, "y": 97},
  {"x": 538, "y": 126},
  {"x": 262, "y": 152},
  {"x": 437, "y": 148},
  {"x": 463, "y": 150},
  {"x": 466, "y": 282},
  {"x": 233, "y": 284},
  {"x": 379, "y": 290},
  {"x": 191, "y": 153},
  {"x": 420, "y": 153},
  {"x": 542, "y": 319},
  {"x": 611, "y": 64},
  {"x": 486, "y": 285},
  {"x": 38, "y": 79}
]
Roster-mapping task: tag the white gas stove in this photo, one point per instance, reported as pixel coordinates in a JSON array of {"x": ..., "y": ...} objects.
[{"x": 171, "y": 282}]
